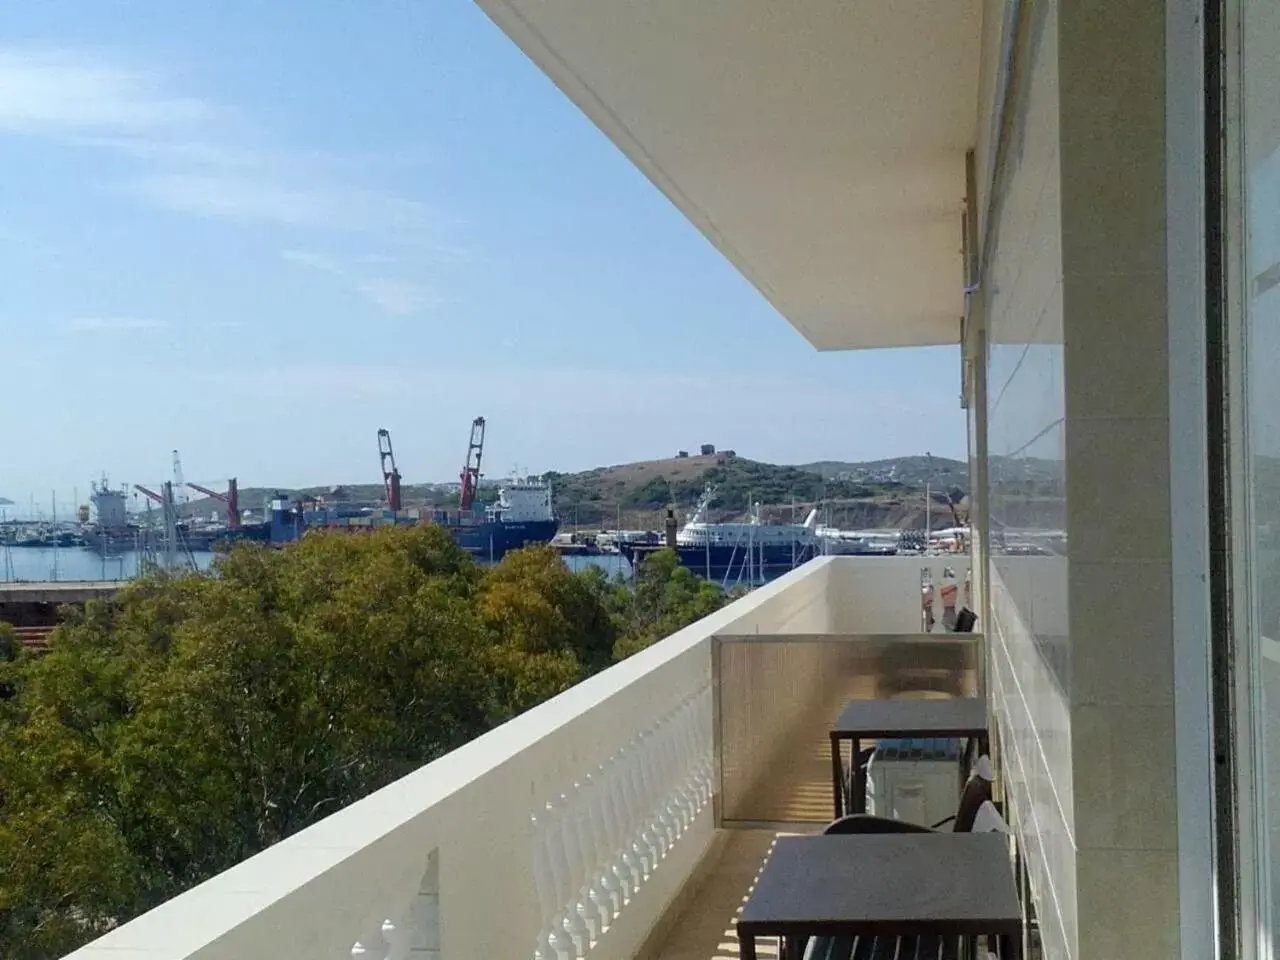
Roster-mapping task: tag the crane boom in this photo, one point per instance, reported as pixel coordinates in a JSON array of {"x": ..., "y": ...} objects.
[
  {"x": 149, "y": 494},
  {"x": 471, "y": 469},
  {"x": 222, "y": 497},
  {"x": 231, "y": 499},
  {"x": 390, "y": 475}
]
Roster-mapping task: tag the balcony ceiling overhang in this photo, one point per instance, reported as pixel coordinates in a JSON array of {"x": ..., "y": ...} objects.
[{"x": 819, "y": 144}]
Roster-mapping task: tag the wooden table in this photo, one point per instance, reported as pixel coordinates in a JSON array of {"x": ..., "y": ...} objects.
[
  {"x": 958, "y": 717},
  {"x": 873, "y": 885}
]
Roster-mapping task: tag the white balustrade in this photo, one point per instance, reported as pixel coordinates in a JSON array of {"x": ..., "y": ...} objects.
[
  {"x": 593, "y": 856},
  {"x": 589, "y": 862},
  {"x": 607, "y": 888},
  {"x": 575, "y": 910},
  {"x": 626, "y": 865},
  {"x": 545, "y": 885}
]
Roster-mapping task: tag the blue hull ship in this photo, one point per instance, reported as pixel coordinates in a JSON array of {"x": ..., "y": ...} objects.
[
  {"x": 730, "y": 565},
  {"x": 748, "y": 552},
  {"x": 522, "y": 517},
  {"x": 489, "y": 542}
]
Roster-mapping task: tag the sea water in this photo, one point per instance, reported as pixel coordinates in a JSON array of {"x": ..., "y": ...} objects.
[{"x": 78, "y": 563}]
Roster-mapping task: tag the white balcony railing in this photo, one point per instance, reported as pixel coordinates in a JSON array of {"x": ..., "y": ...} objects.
[{"x": 566, "y": 832}]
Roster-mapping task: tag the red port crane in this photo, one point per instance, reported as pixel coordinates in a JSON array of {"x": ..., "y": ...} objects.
[
  {"x": 390, "y": 475},
  {"x": 471, "y": 469},
  {"x": 149, "y": 494},
  {"x": 230, "y": 499}
]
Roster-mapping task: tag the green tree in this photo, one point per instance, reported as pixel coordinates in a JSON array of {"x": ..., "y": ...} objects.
[
  {"x": 195, "y": 720},
  {"x": 666, "y": 598},
  {"x": 550, "y": 626}
]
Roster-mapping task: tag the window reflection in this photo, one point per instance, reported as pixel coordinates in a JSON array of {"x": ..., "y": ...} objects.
[{"x": 1261, "y": 277}]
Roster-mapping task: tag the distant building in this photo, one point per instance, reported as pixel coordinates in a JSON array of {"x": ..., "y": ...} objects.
[
  {"x": 708, "y": 449},
  {"x": 682, "y": 454}
]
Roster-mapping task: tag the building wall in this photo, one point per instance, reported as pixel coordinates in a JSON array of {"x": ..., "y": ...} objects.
[
  {"x": 1074, "y": 299},
  {"x": 1022, "y": 302},
  {"x": 1115, "y": 303}
]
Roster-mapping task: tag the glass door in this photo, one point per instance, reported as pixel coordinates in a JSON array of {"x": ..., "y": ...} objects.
[{"x": 1252, "y": 196}]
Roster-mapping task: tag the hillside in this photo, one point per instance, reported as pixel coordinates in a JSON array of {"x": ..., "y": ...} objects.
[
  {"x": 882, "y": 493},
  {"x": 909, "y": 471},
  {"x": 852, "y": 494}
]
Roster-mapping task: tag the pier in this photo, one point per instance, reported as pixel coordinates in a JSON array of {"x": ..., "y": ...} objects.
[
  {"x": 31, "y": 606},
  {"x": 58, "y": 591}
]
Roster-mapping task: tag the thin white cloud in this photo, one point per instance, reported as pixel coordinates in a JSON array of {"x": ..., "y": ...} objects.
[
  {"x": 304, "y": 381},
  {"x": 127, "y": 324},
  {"x": 199, "y": 159},
  {"x": 295, "y": 198},
  {"x": 56, "y": 91},
  {"x": 113, "y": 324},
  {"x": 310, "y": 382},
  {"x": 316, "y": 261},
  {"x": 395, "y": 296},
  {"x": 222, "y": 197}
]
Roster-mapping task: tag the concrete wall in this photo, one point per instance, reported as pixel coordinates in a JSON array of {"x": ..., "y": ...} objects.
[
  {"x": 1115, "y": 295},
  {"x": 883, "y": 594},
  {"x": 1074, "y": 301}
]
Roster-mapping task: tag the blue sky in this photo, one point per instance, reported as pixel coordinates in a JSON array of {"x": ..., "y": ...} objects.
[{"x": 259, "y": 232}]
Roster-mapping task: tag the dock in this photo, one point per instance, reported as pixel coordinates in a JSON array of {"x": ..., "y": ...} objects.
[{"x": 58, "y": 591}]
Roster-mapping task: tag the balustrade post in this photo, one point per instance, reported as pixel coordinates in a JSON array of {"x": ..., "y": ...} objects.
[
  {"x": 644, "y": 843},
  {"x": 659, "y": 827},
  {"x": 680, "y": 758},
  {"x": 395, "y": 939},
  {"x": 625, "y": 866},
  {"x": 545, "y": 885},
  {"x": 599, "y": 874},
  {"x": 582, "y": 924}
]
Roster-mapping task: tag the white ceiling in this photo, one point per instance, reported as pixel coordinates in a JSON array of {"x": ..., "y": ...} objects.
[{"x": 819, "y": 144}]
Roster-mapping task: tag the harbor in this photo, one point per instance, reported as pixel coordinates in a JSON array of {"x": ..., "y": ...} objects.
[{"x": 127, "y": 530}]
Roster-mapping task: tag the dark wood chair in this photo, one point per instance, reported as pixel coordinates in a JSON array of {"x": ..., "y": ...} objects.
[
  {"x": 887, "y": 948},
  {"x": 977, "y": 791}
]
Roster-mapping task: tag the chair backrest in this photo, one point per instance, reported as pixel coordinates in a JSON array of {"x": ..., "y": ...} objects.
[
  {"x": 966, "y": 620},
  {"x": 988, "y": 820},
  {"x": 866, "y": 823},
  {"x": 977, "y": 791}
]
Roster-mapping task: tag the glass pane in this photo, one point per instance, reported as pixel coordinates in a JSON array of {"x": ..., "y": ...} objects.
[{"x": 1261, "y": 274}]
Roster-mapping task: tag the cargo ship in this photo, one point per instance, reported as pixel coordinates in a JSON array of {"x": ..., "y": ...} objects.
[
  {"x": 521, "y": 517},
  {"x": 111, "y": 531}
]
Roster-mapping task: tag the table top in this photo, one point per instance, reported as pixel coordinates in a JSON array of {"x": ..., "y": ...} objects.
[
  {"x": 959, "y": 883},
  {"x": 952, "y": 717}
]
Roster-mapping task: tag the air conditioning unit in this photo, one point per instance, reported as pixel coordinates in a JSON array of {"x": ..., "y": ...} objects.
[{"x": 915, "y": 780}]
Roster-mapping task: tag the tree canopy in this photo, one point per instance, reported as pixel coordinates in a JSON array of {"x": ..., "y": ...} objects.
[{"x": 193, "y": 721}]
